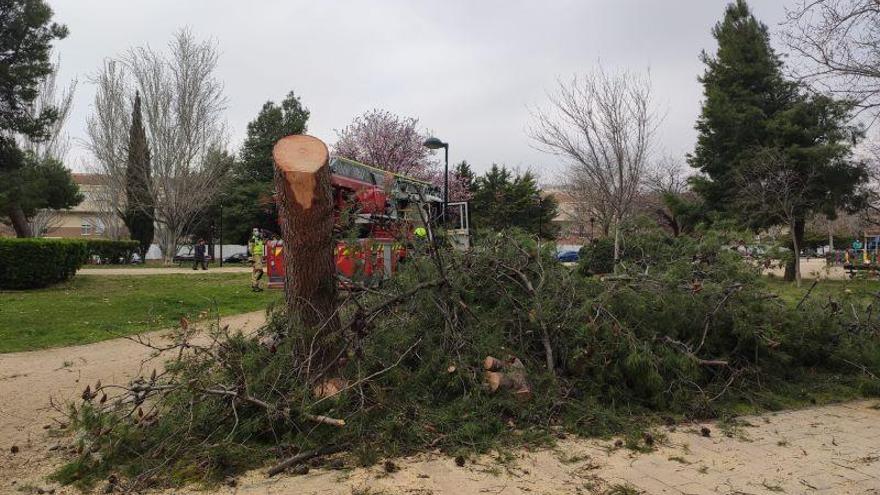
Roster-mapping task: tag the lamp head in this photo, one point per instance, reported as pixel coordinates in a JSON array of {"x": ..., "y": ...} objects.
[{"x": 434, "y": 143}]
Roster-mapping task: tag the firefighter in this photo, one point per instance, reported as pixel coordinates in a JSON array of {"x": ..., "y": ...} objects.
[
  {"x": 257, "y": 249},
  {"x": 420, "y": 238}
]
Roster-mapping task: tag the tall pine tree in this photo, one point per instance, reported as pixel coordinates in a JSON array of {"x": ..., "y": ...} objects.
[
  {"x": 139, "y": 212},
  {"x": 743, "y": 90},
  {"x": 750, "y": 111},
  {"x": 28, "y": 183},
  {"x": 503, "y": 199}
]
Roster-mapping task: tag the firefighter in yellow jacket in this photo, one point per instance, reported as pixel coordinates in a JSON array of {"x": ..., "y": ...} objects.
[{"x": 257, "y": 249}]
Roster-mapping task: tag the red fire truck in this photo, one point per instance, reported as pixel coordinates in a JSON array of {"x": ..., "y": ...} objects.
[{"x": 380, "y": 208}]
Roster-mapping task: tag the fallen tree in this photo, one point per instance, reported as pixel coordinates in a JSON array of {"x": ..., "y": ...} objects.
[{"x": 685, "y": 330}]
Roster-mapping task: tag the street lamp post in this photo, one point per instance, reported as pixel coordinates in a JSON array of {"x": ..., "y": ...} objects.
[
  {"x": 435, "y": 144},
  {"x": 221, "y": 232}
]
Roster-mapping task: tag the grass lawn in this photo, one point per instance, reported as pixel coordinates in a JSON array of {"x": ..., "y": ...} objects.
[
  {"x": 92, "y": 308},
  {"x": 861, "y": 290}
]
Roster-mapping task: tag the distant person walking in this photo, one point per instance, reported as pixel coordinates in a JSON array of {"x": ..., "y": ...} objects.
[
  {"x": 257, "y": 248},
  {"x": 199, "y": 256}
]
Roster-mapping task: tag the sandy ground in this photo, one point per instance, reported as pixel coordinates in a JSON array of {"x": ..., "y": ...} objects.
[
  {"x": 29, "y": 379},
  {"x": 813, "y": 268},
  {"x": 832, "y": 449},
  {"x": 161, "y": 271}
]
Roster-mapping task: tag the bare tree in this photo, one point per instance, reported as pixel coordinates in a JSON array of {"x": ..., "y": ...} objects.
[
  {"x": 773, "y": 189},
  {"x": 183, "y": 114},
  {"x": 50, "y": 95},
  {"x": 590, "y": 208},
  {"x": 603, "y": 124},
  {"x": 845, "y": 224},
  {"x": 666, "y": 182},
  {"x": 56, "y": 144},
  {"x": 44, "y": 220},
  {"x": 107, "y": 140},
  {"x": 668, "y": 175},
  {"x": 183, "y": 106},
  {"x": 839, "y": 43},
  {"x": 105, "y": 202}
]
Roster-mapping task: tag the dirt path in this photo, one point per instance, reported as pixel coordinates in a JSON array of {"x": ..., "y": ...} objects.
[
  {"x": 160, "y": 271},
  {"x": 832, "y": 449},
  {"x": 29, "y": 379}
]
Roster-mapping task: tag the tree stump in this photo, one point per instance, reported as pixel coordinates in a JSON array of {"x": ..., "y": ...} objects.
[{"x": 305, "y": 213}]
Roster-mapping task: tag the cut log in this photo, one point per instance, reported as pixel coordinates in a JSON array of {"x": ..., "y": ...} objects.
[
  {"x": 492, "y": 364},
  {"x": 509, "y": 375},
  {"x": 329, "y": 388}
]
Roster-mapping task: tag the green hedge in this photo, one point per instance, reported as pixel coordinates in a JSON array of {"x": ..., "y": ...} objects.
[
  {"x": 34, "y": 263},
  {"x": 113, "y": 252}
]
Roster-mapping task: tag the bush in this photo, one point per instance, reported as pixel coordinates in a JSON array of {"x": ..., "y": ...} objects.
[
  {"x": 113, "y": 252},
  {"x": 597, "y": 257},
  {"x": 35, "y": 263}
]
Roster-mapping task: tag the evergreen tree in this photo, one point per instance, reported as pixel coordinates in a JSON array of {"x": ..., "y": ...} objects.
[
  {"x": 248, "y": 199},
  {"x": 502, "y": 199},
  {"x": 750, "y": 112},
  {"x": 465, "y": 175},
  {"x": 26, "y": 182},
  {"x": 743, "y": 91},
  {"x": 139, "y": 212},
  {"x": 272, "y": 123}
]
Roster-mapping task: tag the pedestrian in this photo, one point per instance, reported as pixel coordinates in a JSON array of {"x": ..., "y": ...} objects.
[
  {"x": 199, "y": 256},
  {"x": 257, "y": 249}
]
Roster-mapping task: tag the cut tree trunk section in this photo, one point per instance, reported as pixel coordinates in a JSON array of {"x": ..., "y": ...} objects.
[
  {"x": 509, "y": 375},
  {"x": 305, "y": 213}
]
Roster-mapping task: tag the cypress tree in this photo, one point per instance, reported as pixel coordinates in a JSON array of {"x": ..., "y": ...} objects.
[{"x": 139, "y": 211}]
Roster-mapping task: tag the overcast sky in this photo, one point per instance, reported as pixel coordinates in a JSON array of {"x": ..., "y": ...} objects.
[{"x": 468, "y": 70}]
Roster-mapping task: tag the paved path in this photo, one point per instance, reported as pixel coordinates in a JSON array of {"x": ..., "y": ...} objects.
[{"x": 161, "y": 271}]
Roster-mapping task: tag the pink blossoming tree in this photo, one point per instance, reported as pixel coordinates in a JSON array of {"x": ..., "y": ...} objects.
[{"x": 390, "y": 142}]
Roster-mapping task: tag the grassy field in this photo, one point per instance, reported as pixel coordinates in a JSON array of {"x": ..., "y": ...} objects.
[
  {"x": 92, "y": 308},
  {"x": 861, "y": 290}
]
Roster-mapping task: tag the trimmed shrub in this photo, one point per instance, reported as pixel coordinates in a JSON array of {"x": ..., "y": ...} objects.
[
  {"x": 35, "y": 263},
  {"x": 113, "y": 252},
  {"x": 597, "y": 257}
]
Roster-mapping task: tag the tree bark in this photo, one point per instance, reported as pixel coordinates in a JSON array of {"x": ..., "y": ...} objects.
[
  {"x": 616, "y": 244},
  {"x": 797, "y": 236},
  {"x": 19, "y": 222},
  {"x": 305, "y": 213}
]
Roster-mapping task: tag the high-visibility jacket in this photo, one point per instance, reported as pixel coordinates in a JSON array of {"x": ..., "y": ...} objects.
[{"x": 257, "y": 247}]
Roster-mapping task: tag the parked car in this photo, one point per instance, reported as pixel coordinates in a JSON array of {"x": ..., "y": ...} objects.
[
  {"x": 236, "y": 258},
  {"x": 568, "y": 256}
]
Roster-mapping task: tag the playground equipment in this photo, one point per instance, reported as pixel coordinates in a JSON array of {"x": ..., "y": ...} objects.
[{"x": 862, "y": 255}]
